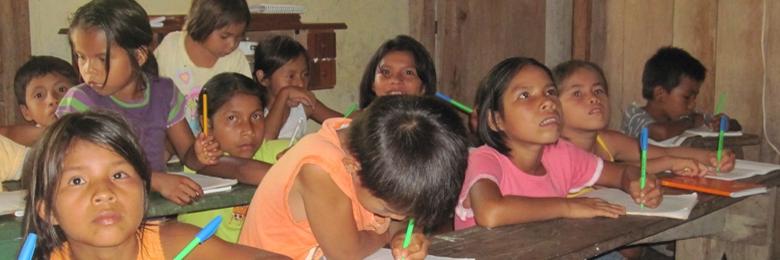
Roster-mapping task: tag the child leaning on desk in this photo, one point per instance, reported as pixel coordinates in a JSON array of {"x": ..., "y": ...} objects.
[
  {"x": 88, "y": 185},
  {"x": 584, "y": 96},
  {"x": 670, "y": 83},
  {"x": 525, "y": 171},
  {"x": 344, "y": 191}
]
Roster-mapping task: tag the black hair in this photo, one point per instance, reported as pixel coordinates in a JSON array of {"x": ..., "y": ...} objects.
[
  {"x": 412, "y": 152},
  {"x": 564, "y": 70},
  {"x": 489, "y": 93},
  {"x": 425, "y": 67},
  {"x": 209, "y": 15},
  {"x": 275, "y": 51},
  {"x": 222, "y": 87},
  {"x": 666, "y": 69},
  {"x": 45, "y": 161},
  {"x": 124, "y": 23},
  {"x": 39, "y": 66}
]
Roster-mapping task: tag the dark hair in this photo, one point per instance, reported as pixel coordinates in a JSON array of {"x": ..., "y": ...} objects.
[
  {"x": 666, "y": 68},
  {"x": 39, "y": 66},
  {"x": 489, "y": 93},
  {"x": 44, "y": 163},
  {"x": 272, "y": 53},
  {"x": 222, "y": 87},
  {"x": 412, "y": 152},
  {"x": 209, "y": 15},
  {"x": 426, "y": 70},
  {"x": 564, "y": 70},
  {"x": 124, "y": 23}
]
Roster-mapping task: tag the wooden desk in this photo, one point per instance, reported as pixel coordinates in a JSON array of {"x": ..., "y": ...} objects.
[
  {"x": 741, "y": 224},
  {"x": 241, "y": 194},
  {"x": 735, "y": 143}
]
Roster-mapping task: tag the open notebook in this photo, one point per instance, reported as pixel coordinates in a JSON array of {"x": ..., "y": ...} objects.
[
  {"x": 385, "y": 254},
  {"x": 744, "y": 169},
  {"x": 12, "y": 202},
  {"x": 672, "y": 206},
  {"x": 210, "y": 184},
  {"x": 699, "y": 131}
]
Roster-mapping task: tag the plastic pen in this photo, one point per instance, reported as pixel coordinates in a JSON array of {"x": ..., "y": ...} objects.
[
  {"x": 457, "y": 104},
  {"x": 28, "y": 249},
  {"x": 201, "y": 237},
  {"x": 723, "y": 124},
  {"x": 408, "y": 237},
  {"x": 643, "y": 158}
]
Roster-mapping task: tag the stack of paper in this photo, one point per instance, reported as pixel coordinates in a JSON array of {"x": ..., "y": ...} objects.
[
  {"x": 745, "y": 169},
  {"x": 672, "y": 206},
  {"x": 276, "y": 9},
  {"x": 210, "y": 184},
  {"x": 385, "y": 254},
  {"x": 12, "y": 202},
  {"x": 699, "y": 131}
]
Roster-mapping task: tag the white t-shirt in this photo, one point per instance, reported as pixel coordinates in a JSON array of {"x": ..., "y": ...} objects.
[
  {"x": 11, "y": 159},
  {"x": 295, "y": 124},
  {"x": 174, "y": 63}
]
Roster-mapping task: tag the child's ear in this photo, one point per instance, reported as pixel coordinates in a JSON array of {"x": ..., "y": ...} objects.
[
  {"x": 260, "y": 75},
  {"x": 659, "y": 93},
  {"x": 495, "y": 122},
  {"x": 26, "y": 113},
  {"x": 352, "y": 166},
  {"x": 40, "y": 207},
  {"x": 141, "y": 55}
]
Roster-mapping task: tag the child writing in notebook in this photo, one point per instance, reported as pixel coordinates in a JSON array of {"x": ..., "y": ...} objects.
[
  {"x": 282, "y": 66},
  {"x": 38, "y": 87},
  {"x": 236, "y": 122},
  {"x": 584, "y": 96},
  {"x": 206, "y": 47},
  {"x": 401, "y": 66},
  {"x": 343, "y": 191},
  {"x": 524, "y": 171},
  {"x": 88, "y": 185},
  {"x": 670, "y": 83}
]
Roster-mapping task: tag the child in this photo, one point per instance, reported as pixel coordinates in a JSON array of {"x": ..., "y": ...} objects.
[
  {"x": 341, "y": 192},
  {"x": 524, "y": 171},
  {"x": 206, "y": 47},
  {"x": 38, "y": 86},
  {"x": 88, "y": 186},
  {"x": 400, "y": 66},
  {"x": 585, "y": 105},
  {"x": 235, "y": 111},
  {"x": 282, "y": 66},
  {"x": 670, "y": 83}
]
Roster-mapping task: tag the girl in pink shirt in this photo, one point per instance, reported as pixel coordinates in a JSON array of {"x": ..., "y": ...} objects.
[{"x": 524, "y": 172}]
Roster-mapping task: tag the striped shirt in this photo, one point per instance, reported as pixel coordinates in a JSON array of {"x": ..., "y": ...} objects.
[{"x": 634, "y": 119}]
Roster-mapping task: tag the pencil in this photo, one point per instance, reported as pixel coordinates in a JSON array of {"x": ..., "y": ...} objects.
[
  {"x": 205, "y": 114},
  {"x": 643, "y": 165},
  {"x": 409, "y": 229},
  {"x": 457, "y": 104},
  {"x": 723, "y": 122}
]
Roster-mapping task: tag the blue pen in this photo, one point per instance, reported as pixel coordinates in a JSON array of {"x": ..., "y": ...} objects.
[
  {"x": 643, "y": 163},
  {"x": 202, "y": 236},
  {"x": 28, "y": 249},
  {"x": 457, "y": 104},
  {"x": 724, "y": 121}
]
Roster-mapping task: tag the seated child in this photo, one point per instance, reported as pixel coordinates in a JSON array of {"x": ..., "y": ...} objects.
[
  {"x": 235, "y": 112},
  {"x": 88, "y": 186},
  {"x": 343, "y": 191},
  {"x": 524, "y": 171},
  {"x": 206, "y": 47},
  {"x": 38, "y": 86},
  {"x": 584, "y": 96},
  {"x": 282, "y": 66},
  {"x": 401, "y": 66},
  {"x": 670, "y": 83}
]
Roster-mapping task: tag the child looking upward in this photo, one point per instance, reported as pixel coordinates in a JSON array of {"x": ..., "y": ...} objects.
[
  {"x": 343, "y": 191},
  {"x": 670, "y": 83},
  {"x": 524, "y": 171},
  {"x": 206, "y": 47}
]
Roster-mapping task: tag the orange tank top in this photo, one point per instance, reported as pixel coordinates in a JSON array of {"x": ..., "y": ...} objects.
[
  {"x": 269, "y": 224},
  {"x": 150, "y": 248}
]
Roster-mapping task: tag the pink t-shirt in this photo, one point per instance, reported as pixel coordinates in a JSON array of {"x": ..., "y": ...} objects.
[{"x": 569, "y": 169}]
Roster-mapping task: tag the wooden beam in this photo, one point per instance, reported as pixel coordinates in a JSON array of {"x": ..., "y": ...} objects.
[
  {"x": 14, "y": 51},
  {"x": 580, "y": 29}
]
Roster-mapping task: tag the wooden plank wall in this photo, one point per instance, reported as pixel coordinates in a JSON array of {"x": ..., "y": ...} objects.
[
  {"x": 724, "y": 35},
  {"x": 14, "y": 51}
]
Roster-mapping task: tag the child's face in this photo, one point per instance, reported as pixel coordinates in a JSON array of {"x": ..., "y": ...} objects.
[
  {"x": 584, "y": 101},
  {"x": 530, "y": 111},
  {"x": 223, "y": 41},
  {"x": 376, "y": 205},
  {"x": 99, "y": 199},
  {"x": 681, "y": 100},
  {"x": 42, "y": 96},
  {"x": 396, "y": 74},
  {"x": 238, "y": 125},
  {"x": 295, "y": 73},
  {"x": 90, "y": 44}
]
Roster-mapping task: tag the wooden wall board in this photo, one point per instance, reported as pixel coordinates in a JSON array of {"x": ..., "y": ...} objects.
[
  {"x": 14, "y": 51},
  {"x": 695, "y": 26}
]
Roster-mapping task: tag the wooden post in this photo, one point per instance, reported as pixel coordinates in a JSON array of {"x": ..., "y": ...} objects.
[{"x": 580, "y": 29}]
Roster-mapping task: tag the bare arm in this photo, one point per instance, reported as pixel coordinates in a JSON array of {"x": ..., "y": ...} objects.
[
  {"x": 627, "y": 178},
  {"x": 177, "y": 235},
  {"x": 329, "y": 212},
  {"x": 277, "y": 115},
  {"x": 662, "y": 131},
  {"x": 320, "y": 112},
  {"x": 25, "y": 135}
]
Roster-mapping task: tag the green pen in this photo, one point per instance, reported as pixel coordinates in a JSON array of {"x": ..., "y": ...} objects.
[
  {"x": 643, "y": 158},
  {"x": 721, "y": 101},
  {"x": 408, "y": 237},
  {"x": 350, "y": 109},
  {"x": 201, "y": 237},
  {"x": 723, "y": 122}
]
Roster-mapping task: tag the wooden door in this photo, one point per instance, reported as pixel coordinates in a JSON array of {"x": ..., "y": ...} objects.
[{"x": 14, "y": 51}]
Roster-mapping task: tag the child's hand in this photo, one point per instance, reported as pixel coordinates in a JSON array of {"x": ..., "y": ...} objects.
[
  {"x": 207, "y": 149},
  {"x": 417, "y": 249},
  {"x": 593, "y": 207},
  {"x": 178, "y": 189},
  {"x": 297, "y": 96},
  {"x": 650, "y": 196},
  {"x": 688, "y": 167},
  {"x": 727, "y": 160}
]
